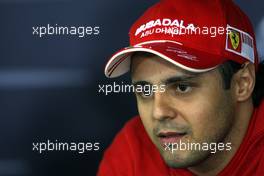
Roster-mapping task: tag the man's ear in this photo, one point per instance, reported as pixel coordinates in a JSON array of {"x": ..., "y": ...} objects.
[{"x": 244, "y": 82}]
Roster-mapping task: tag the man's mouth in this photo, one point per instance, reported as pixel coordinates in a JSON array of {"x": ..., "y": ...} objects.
[{"x": 170, "y": 137}]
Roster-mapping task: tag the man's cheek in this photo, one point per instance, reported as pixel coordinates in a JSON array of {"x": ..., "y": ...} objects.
[
  {"x": 145, "y": 111},
  {"x": 199, "y": 126}
]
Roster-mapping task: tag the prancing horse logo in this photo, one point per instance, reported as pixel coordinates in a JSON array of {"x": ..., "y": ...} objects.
[{"x": 234, "y": 37}]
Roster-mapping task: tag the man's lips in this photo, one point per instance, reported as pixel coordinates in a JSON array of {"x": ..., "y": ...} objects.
[{"x": 170, "y": 137}]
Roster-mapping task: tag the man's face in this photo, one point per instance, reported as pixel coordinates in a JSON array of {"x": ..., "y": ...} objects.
[{"x": 193, "y": 109}]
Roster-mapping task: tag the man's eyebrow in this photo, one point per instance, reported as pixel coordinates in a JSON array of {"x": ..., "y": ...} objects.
[
  {"x": 169, "y": 80},
  {"x": 179, "y": 79}
]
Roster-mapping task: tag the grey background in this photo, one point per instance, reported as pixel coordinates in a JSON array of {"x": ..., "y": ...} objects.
[{"x": 49, "y": 85}]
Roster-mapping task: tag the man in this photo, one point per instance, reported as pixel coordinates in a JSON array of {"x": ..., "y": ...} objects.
[{"x": 209, "y": 119}]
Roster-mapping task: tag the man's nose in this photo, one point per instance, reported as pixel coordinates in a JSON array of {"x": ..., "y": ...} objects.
[{"x": 162, "y": 107}]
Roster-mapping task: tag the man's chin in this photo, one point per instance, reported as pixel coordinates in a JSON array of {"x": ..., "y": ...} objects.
[
  {"x": 175, "y": 160},
  {"x": 183, "y": 159}
]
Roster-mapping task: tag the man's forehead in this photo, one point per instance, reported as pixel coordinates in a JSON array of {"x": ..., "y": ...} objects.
[{"x": 154, "y": 67}]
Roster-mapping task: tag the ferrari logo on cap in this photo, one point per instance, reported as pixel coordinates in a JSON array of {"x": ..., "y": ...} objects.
[{"x": 234, "y": 38}]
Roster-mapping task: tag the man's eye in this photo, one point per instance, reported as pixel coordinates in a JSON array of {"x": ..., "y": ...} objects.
[{"x": 183, "y": 88}]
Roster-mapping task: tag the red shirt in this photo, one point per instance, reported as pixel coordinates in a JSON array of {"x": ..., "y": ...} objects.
[{"x": 133, "y": 154}]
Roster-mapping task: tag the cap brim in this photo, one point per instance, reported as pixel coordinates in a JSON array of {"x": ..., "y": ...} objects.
[{"x": 186, "y": 58}]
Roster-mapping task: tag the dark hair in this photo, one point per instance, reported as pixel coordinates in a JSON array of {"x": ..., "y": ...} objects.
[{"x": 229, "y": 68}]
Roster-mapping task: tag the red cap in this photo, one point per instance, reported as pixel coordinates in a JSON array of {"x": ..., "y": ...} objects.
[{"x": 194, "y": 35}]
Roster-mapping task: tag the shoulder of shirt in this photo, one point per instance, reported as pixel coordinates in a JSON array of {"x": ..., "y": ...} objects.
[
  {"x": 134, "y": 132},
  {"x": 131, "y": 137},
  {"x": 133, "y": 123},
  {"x": 134, "y": 128},
  {"x": 123, "y": 149},
  {"x": 259, "y": 113}
]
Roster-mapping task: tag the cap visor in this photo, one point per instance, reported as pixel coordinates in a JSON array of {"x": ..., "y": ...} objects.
[{"x": 186, "y": 58}]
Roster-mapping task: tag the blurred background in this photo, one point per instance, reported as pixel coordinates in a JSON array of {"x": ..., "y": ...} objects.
[{"x": 49, "y": 85}]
